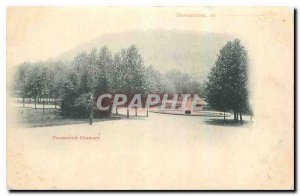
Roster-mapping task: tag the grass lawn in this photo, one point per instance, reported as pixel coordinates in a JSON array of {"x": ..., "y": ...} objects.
[{"x": 30, "y": 117}]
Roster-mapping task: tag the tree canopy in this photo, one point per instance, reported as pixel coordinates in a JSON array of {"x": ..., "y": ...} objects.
[
  {"x": 94, "y": 73},
  {"x": 227, "y": 84}
]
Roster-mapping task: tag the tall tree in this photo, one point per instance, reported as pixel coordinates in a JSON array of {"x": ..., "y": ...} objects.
[
  {"x": 103, "y": 70},
  {"x": 21, "y": 81},
  {"x": 226, "y": 88},
  {"x": 36, "y": 82}
]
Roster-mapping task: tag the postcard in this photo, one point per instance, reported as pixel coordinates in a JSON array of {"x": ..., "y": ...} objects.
[{"x": 150, "y": 98}]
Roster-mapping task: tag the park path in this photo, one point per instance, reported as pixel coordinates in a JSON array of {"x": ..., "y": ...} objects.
[{"x": 158, "y": 152}]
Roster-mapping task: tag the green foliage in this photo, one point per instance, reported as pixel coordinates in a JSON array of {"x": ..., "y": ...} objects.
[
  {"x": 226, "y": 87},
  {"x": 21, "y": 85},
  {"x": 183, "y": 83},
  {"x": 94, "y": 73}
]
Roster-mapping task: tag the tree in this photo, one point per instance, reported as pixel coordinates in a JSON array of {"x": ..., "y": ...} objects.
[
  {"x": 21, "y": 81},
  {"x": 133, "y": 73},
  {"x": 153, "y": 80},
  {"x": 175, "y": 78},
  {"x": 103, "y": 69},
  {"x": 216, "y": 93},
  {"x": 44, "y": 85},
  {"x": 69, "y": 94},
  {"x": 76, "y": 87},
  {"x": 196, "y": 88},
  {"x": 57, "y": 71},
  {"x": 77, "y": 83},
  {"x": 36, "y": 82},
  {"x": 116, "y": 76},
  {"x": 183, "y": 82},
  {"x": 226, "y": 88}
]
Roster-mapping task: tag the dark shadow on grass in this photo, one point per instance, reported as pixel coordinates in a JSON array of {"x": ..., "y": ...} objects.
[
  {"x": 227, "y": 123},
  {"x": 131, "y": 117},
  {"x": 61, "y": 122}
]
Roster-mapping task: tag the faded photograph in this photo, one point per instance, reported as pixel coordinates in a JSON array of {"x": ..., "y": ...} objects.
[{"x": 150, "y": 98}]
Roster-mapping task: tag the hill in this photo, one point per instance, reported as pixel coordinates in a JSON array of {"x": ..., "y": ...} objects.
[{"x": 189, "y": 51}]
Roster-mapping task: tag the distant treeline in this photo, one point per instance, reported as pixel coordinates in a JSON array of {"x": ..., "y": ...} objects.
[{"x": 90, "y": 74}]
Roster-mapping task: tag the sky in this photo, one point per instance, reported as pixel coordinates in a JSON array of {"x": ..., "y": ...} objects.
[{"x": 36, "y": 33}]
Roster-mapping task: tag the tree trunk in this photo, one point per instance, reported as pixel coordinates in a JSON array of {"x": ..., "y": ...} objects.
[
  {"x": 43, "y": 107},
  {"x": 116, "y": 110},
  {"x": 35, "y": 103},
  {"x": 234, "y": 116},
  {"x": 91, "y": 114},
  {"x": 55, "y": 103},
  {"x": 91, "y": 118},
  {"x": 224, "y": 116},
  {"x": 23, "y": 102},
  {"x": 127, "y": 112},
  {"x": 135, "y": 111},
  {"x": 241, "y": 118},
  {"x": 147, "y": 112}
]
